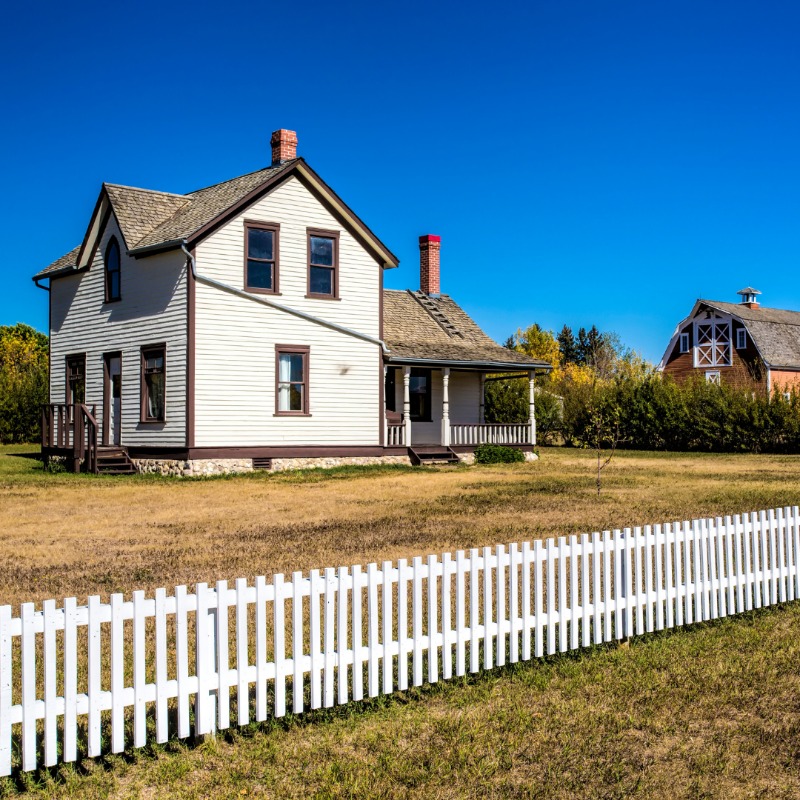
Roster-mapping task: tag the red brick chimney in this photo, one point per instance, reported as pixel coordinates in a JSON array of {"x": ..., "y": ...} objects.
[
  {"x": 429, "y": 264},
  {"x": 284, "y": 146}
]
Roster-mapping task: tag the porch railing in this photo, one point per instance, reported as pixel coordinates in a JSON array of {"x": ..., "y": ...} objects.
[
  {"x": 395, "y": 435},
  {"x": 72, "y": 427},
  {"x": 491, "y": 433}
]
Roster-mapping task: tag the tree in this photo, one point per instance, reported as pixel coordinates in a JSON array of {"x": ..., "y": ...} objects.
[
  {"x": 23, "y": 382},
  {"x": 567, "y": 345},
  {"x": 536, "y": 342}
]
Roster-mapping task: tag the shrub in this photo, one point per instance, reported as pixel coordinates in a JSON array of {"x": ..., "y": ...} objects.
[{"x": 497, "y": 454}]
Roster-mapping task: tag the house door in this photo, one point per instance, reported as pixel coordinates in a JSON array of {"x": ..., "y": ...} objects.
[{"x": 112, "y": 402}]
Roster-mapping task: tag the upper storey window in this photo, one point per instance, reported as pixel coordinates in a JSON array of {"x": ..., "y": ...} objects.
[
  {"x": 261, "y": 257},
  {"x": 112, "y": 264},
  {"x": 323, "y": 264}
]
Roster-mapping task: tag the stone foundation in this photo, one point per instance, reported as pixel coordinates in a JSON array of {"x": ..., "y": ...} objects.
[
  {"x": 198, "y": 467},
  {"x": 283, "y": 464}
]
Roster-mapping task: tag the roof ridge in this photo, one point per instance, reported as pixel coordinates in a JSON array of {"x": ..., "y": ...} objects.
[
  {"x": 760, "y": 307},
  {"x": 141, "y": 189},
  {"x": 243, "y": 175}
]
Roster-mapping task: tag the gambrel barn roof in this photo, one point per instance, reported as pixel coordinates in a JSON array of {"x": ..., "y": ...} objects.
[{"x": 774, "y": 331}]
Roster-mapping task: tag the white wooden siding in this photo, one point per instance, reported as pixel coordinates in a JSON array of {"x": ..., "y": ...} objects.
[
  {"x": 152, "y": 311},
  {"x": 236, "y": 337},
  {"x": 464, "y": 392}
]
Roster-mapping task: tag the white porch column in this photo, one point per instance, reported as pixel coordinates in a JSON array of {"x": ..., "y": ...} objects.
[
  {"x": 532, "y": 406},
  {"x": 482, "y": 405},
  {"x": 446, "y": 406},
  {"x": 407, "y": 404},
  {"x": 383, "y": 410}
]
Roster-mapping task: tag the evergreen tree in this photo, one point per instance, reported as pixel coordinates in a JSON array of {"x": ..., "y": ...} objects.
[
  {"x": 567, "y": 345},
  {"x": 582, "y": 348}
]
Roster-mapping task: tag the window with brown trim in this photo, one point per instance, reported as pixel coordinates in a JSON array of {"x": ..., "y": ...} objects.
[
  {"x": 112, "y": 271},
  {"x": 76, "y": 379},
  {"x": 261, "y": 257},
  {"x": 323, "y": 263},
  {"x": 291, "y": 380},
  {"x": 154, "y": 383}
]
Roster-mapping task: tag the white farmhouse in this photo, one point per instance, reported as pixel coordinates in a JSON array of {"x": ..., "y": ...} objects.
[{"x": 245, "y": 325}]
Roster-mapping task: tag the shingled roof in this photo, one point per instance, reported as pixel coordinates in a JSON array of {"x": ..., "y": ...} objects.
[
  {"x": 775, "y": 331},
  {"x": 150, "y": 220},
  {"x": 420, "y": 328}
]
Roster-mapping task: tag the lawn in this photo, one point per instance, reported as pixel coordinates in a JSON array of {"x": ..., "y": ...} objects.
[{"x": 705, "y": 712}]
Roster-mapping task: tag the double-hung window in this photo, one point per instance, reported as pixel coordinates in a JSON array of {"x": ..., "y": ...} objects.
[
  {"x": 261, "y": 257},
  {"x": 112, "y": 266},
  {"x": 323, "y": 264},
  {"x": 420, "y": 395},
  {"x": 291, "y": 380},
  {"x": 76, "y": 379},
  {"x": 154, "y": 384}
]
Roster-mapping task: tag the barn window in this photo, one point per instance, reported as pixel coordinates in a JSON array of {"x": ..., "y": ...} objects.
[
  {"x": 154, "y": 377},
  {"x": 112, "y": 264},
  {"x": 712, "y": 343},
  {"x": 261, "y": 257},
  {"x": 741, "y": 339},
  {"x": 684, "y": 343},
  {"x": 712, "y": 376}
]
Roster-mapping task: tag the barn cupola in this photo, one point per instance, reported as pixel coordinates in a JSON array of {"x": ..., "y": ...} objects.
[{"x": 748, "y": 295}]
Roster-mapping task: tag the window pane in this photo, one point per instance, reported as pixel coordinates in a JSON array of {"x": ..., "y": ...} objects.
[
  {"x": 259, "y": 275},
  {"x": 155, "y": 395},
  {"x": 418, "y": 384},
  {"x": 296, "y": 397},
  {"x": 113, "y": 285},
  {"x": 322, "y": 251},
  {"x": 290, "y": 367},
  {"x": 321, "y": 281},
  {"x": 259, "y": 244}
]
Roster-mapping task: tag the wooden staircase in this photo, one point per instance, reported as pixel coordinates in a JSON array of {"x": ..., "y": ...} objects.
[
  {"x": 434, "y": 454},
  {"x": 114, "y": 460}
]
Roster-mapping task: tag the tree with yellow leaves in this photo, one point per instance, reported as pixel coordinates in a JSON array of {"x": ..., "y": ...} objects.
[{"x": 23, "y": 382}]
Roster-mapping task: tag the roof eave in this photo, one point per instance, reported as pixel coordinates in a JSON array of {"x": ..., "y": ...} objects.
[
  {"x": 500, "y": 366},
  {"x": 160, "y": 247}
]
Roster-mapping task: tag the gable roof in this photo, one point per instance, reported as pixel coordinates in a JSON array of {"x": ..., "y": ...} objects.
[
  {"x": 418, "y": 328},
  {"x": 774, "y": 331},
  {"x": 153, "y": 221}
]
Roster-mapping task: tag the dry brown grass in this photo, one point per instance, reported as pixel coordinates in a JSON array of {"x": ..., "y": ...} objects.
[
  {"x": 707, "y": 712},
  {"x": 63, "y": 534}
]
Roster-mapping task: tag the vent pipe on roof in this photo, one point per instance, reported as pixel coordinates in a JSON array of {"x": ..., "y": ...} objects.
[
  {"x": 748, "y": 295},
  {"x": 284, "y": 146},
  {"x": 429, "y": 264}
]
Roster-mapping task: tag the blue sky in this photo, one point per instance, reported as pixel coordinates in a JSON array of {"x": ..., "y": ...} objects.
[{"x": 584, "y": 161}]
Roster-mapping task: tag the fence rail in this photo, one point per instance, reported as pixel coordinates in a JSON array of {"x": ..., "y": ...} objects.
[{"x": 70, "y": 675}]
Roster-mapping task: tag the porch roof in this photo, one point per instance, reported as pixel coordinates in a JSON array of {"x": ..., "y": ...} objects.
[{"x": 435, "y": 331}]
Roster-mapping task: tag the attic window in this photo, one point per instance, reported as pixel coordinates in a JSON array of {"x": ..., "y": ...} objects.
[
  {"x": 112, "y": 267},
  {"x": 261, "y": 257},
  {"x": 741, "y": 339},
  {"x": 684, "y": 343},
  {"x": 323, "y": 264}
]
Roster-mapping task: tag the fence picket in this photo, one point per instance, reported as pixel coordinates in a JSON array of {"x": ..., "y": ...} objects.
[
  {"x": 447, "y": 619},
  {"x": 49, "y": 656},
  {"x": 488, "y": 649},
  {"x": 402, "y": 624},
  {"x": 6, "y": 696},
  {"x": 242, "y": 654},
  {"x": 614, "y": 585},
  {"x": 433, "y": 615}
]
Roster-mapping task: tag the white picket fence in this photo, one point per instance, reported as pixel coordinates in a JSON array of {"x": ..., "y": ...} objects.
[{"x": 107, "y": 676}]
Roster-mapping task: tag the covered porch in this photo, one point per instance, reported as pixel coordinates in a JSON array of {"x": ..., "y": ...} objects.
[{"x": 443, "y": 404}]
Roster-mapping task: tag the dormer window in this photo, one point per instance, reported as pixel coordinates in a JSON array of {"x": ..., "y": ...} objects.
[
  {"x": 112, "y": 267},
  {"x": 323, "y": 264}
]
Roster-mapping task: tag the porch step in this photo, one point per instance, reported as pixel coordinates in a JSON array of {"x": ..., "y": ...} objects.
[
  {"x": 114, "y": 460},
  {"x": 432, "y": 454}
]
